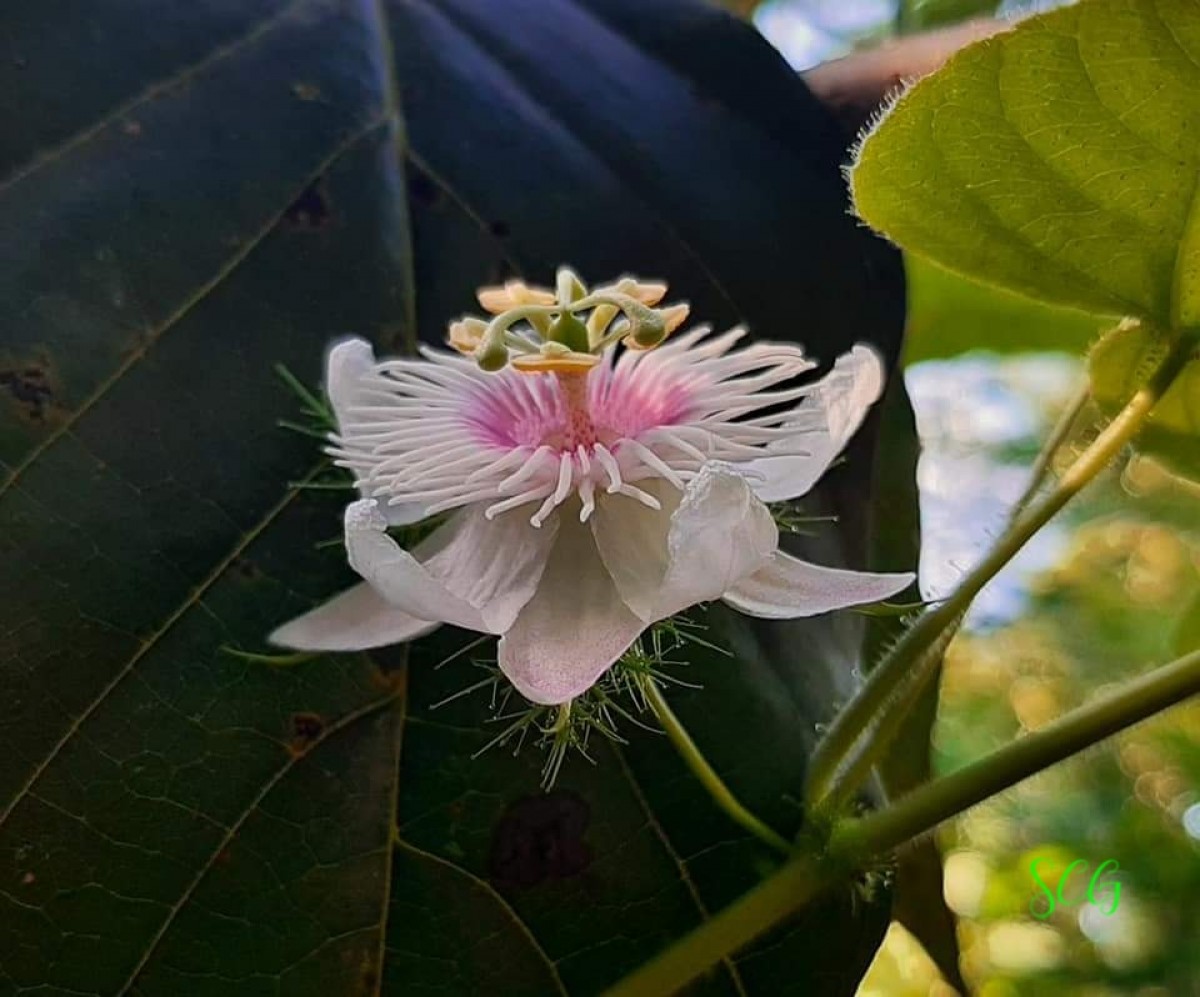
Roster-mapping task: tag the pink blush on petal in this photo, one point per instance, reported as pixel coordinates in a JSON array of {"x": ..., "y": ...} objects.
[
  {"x": 625, "y": 405},
  {"x": 518, "y": 410},
  {"x": 522, "y": 410}
]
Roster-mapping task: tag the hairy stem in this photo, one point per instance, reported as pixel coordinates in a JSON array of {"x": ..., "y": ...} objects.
[
  {"x": 925, "y": 668},
  {"x": 850, "y": 748},
  {"x": 1060, "y": 435},
  {"x": 855, "y": 842},
  {"x": 708, "y": 777},
  {"x": 926, "y": 807}
]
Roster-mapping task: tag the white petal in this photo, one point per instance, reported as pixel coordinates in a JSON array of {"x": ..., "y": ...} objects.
[
  {"x": 494, "y": 565},
  {"x": 352, "y": 621},
  {"x": 469, "y": 572},
  {"x": 348, "y": 362},
  {"x": 788, "y": 588},
  {"x": 573, "y": 629},
  {"x": 825, "y": 421},
  {"x": 398, "y": 576},
  {"x": 632, "y": 542},
  {"x": 693, "y": 550},
  {"x": 719, "y": 534}
]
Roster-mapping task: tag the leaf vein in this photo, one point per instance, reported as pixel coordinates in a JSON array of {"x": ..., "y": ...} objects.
[
  {"x": 684, "y": 873},
  {"x": 221, "y": 52},
  {"x": 443, "y": 184},
  {"x": 385, "y": 902},
  {"x": 289, "y": 763},
  {"x": 193, "y": 597},
  {"x": 1064, "y": 184},
  {"x": 1014, "y": 235},
  {"x": 490, "y": 890},
  {"x": 151, "y": 339},
  {"x": 393, "y": 108},
  {"x": 1169, "y": 31}
]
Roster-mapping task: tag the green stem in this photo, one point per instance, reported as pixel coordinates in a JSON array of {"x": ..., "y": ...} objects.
[
  {"x": 841, "y": 762},
  {"x": 929, "y": 805},
  {"x": 536, "y": 315},
  {"x": 908, "y": 694},
  {"x": 519, "y": 343},
  {"x": 870, "y": 748},
  {"x": 790, "y": 888},
  {"x": 562, "y": 719},
  {"x": 708, "y": 777},
  {"x": 855, "y": 842},
  {"x": 1063, "y": 431}
]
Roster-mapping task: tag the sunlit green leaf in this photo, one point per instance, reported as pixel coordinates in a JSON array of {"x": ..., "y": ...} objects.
[
  {"x": 1058, "y": 159},
  {"x": 949, "y": 314},
  {"x": 1121, "y": 363}
]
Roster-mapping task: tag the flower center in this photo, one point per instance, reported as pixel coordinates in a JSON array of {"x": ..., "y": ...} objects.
[{"x": 545, "y": 411}]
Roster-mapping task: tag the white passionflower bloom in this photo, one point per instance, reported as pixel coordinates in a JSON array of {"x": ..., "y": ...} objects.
[{"x": 592, "y": 491}]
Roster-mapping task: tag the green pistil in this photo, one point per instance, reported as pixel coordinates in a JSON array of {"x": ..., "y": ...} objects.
[{"x": 569, "y": 331}]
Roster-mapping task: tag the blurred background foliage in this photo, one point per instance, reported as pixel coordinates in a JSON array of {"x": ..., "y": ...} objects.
[{"x": 1110, "y": 591}]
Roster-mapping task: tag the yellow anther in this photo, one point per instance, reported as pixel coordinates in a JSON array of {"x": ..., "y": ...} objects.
[
  {"x": 648, "y": 292},
  {"x": 466, "y": 334},
  {"x": 674, "y": 316},
  {"x": 513, "y": 294}
]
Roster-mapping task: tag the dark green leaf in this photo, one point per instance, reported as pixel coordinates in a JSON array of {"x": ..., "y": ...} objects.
[{"x": 226, "y": 193}]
